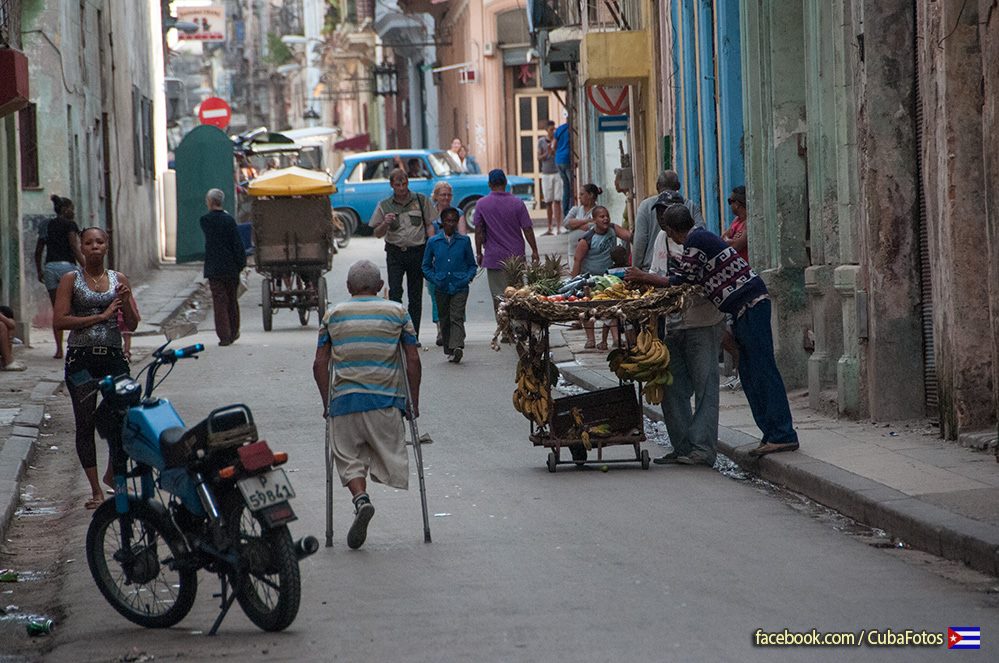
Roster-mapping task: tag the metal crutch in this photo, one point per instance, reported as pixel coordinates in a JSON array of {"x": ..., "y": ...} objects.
[
  {"x": 329, "y": 467},
  {"x": 416, "y": 444}
]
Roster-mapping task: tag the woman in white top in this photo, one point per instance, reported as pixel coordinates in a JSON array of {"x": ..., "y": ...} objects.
[
  {"x": 453, "y": 153},
  {"x": 579, "y": 220}
]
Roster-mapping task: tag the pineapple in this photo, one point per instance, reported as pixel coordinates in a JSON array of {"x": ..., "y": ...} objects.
[{"x": 514, "y": 269}]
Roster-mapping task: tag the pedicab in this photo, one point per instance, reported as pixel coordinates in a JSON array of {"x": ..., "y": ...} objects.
[{"x": 293, "y": 232}]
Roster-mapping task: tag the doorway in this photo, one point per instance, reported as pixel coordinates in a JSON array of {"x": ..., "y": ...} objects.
[{"x": 532, "y": 110}]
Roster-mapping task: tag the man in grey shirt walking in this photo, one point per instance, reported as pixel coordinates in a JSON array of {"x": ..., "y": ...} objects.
[{"x": 647, "y": 224}]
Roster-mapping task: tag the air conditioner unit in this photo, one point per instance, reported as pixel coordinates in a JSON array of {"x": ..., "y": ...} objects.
[{"x": 489, "y": 49}]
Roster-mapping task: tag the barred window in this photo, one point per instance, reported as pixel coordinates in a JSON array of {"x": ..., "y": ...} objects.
[{"x": 28, "y": 137}]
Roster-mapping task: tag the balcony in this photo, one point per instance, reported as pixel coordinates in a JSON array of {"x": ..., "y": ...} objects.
[{"x": 616, "y": 27}]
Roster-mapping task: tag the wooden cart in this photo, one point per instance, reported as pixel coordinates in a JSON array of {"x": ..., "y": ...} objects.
[{"x": 618, "y": 411}]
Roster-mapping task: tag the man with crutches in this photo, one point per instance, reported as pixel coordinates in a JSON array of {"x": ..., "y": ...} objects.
[{"x": 359, "y": 340}]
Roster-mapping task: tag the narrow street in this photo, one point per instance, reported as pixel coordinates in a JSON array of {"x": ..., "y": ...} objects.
[{"x": 525, "y": 565}]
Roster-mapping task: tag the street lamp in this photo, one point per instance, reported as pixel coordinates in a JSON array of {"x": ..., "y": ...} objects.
[{"x": 385, "y": 81}]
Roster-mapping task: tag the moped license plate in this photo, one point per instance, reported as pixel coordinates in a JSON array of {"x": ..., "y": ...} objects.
[{"x": 266, "y": 489}]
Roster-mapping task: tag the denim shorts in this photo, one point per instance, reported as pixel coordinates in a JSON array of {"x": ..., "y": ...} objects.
[{"x": 54, "y": 271}]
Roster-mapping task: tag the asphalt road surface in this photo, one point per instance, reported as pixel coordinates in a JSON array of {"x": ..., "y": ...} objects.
[{"x": 673, "y": 563}]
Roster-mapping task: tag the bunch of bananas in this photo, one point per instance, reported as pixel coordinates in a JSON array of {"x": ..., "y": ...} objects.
[
  {"x": 620, "y": 290},
  {"x": 533, "y": 395},
  {"x": 647, "y": 362}
]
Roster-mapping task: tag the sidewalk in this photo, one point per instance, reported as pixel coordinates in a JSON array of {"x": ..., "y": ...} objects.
[
  {"x": 930, "y": 494},
  {"x": 24, "y": 395}
]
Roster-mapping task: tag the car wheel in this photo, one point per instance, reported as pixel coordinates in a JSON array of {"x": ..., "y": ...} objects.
[
  {"x": 469, "y": 210},
  {"x": 351, "y": 217}
]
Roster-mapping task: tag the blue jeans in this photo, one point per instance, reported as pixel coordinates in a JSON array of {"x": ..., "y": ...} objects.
[
  {"x": 761, "y": 380},
  {"x": 565, "y": 170},
  {"x": 694, "y": 366}
]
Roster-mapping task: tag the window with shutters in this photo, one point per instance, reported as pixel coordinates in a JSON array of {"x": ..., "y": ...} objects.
[{"x": 28, "y": 137}]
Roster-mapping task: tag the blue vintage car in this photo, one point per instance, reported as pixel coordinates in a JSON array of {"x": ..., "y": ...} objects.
[{"x": 362, "y": 182}]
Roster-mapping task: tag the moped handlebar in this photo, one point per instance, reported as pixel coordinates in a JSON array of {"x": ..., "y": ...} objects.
[{"x": 180, "y": 353}]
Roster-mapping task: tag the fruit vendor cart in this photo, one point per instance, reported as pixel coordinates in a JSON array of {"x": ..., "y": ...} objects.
[{"x": 597, "y": 419}]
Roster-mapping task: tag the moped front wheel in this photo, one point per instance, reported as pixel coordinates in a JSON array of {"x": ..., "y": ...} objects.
[
  {"x": 268, "y": 585},
  {"x": 136, "y": 561}
]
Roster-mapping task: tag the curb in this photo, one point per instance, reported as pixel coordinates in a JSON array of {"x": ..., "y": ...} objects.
[
  {"x": 919, "y": 524},
  {"x": 154, "y": 324},
  {"x": 19, "y": 449}
]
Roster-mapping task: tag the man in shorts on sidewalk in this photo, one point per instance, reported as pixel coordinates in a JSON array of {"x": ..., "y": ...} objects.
[
  {"x": 368, "y": 401},
  {"x": 551, "y": 180}
]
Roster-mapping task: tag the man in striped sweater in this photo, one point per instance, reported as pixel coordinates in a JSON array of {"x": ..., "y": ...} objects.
[
  {"x": 733, "y": 287},
  {"x": 362, "y": 337}
]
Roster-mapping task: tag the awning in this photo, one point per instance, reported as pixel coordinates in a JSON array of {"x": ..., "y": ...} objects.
[
  {"x": 358, "y": 143},
  {"x": 292, "y": 181}
]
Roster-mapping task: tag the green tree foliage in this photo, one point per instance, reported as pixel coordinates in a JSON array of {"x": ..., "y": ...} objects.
[{"x": 278, "y": 52}]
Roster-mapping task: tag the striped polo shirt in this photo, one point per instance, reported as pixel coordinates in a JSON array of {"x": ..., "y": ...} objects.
[{"x": 364, "y": 334}]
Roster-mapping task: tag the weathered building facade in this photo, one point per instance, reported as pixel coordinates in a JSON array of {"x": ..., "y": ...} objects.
[
  {"x": 94, "y": 131},
  {"x": 871, "y": 172}
]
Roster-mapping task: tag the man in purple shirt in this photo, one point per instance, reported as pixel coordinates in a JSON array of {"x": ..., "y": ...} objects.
[{"x": 502, "y": 223}]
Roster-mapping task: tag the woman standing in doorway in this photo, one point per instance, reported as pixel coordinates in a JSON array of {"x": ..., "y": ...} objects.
[
  {"x": 87, "y": 303},
  {"x": 60, "y": 241},
  {"x": 579, "y": 220}
]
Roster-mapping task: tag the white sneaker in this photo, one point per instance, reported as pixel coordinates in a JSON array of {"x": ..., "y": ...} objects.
[
  {"x": 16, "y": 341},
  {"x": 15, "y": 366}
]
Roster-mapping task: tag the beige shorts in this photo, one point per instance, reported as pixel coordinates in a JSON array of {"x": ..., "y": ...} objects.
[{"x": 371, "y": 442}]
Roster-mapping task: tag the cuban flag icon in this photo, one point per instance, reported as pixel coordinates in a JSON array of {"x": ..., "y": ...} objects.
[{"x": 964, "y": 637}]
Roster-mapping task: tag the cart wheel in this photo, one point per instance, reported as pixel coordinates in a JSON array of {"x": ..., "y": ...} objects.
[
  {"x": 645, "y": 459},
  {"x": 323, "y": 300},
  {"x": 265, "y": 304},
  {"x": 552, "y": 462},
  {"x": 303, "y": 316}
]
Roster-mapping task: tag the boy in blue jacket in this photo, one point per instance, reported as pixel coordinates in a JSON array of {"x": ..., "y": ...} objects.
[{"x": 449, "y": 263}]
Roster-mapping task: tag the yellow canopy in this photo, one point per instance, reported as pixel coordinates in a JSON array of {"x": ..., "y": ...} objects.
[{"x": 292, "y": 181}]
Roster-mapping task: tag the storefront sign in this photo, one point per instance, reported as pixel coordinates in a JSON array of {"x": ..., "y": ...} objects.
[{"x": 210, "y": 22}]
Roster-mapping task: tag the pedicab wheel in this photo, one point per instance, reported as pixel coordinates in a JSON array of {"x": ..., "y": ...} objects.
[
  {"x": 551, "y": 462},
  {"x": 323, "y": 301},
  {"x": 303, "y": 316},
  {"x": 265, "y": 304},
  {"x": 645, "y": 459}
]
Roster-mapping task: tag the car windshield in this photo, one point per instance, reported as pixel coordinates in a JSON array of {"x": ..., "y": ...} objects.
[
  {"x": 443, "y": 164},
  {"x": 339, "y": 171}
]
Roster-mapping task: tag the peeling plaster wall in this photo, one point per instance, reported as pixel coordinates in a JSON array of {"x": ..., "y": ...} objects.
[
  {"x": 951, "y": 80},
  {"x": 774, "y": 102},
  {"x": 66, "y": 85},
  {"x": 889, "y": 239},
  {"x": 988, "y": 30}
]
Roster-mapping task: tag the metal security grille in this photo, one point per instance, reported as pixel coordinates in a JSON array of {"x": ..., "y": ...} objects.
[
  {"x": 10, "y": 23},
  {"x": 932, "y": 398}
]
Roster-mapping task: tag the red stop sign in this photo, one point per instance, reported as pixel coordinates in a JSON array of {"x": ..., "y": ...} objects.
[{"x": 216, "y": 112}]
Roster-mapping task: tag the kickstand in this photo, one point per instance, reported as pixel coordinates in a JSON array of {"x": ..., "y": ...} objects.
[{"x": 226, "y": 603}]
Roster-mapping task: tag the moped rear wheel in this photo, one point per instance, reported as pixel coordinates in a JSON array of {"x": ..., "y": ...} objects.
[
  {"x": 147, "y": 582},
  {"x": 268, "y": 587}
]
